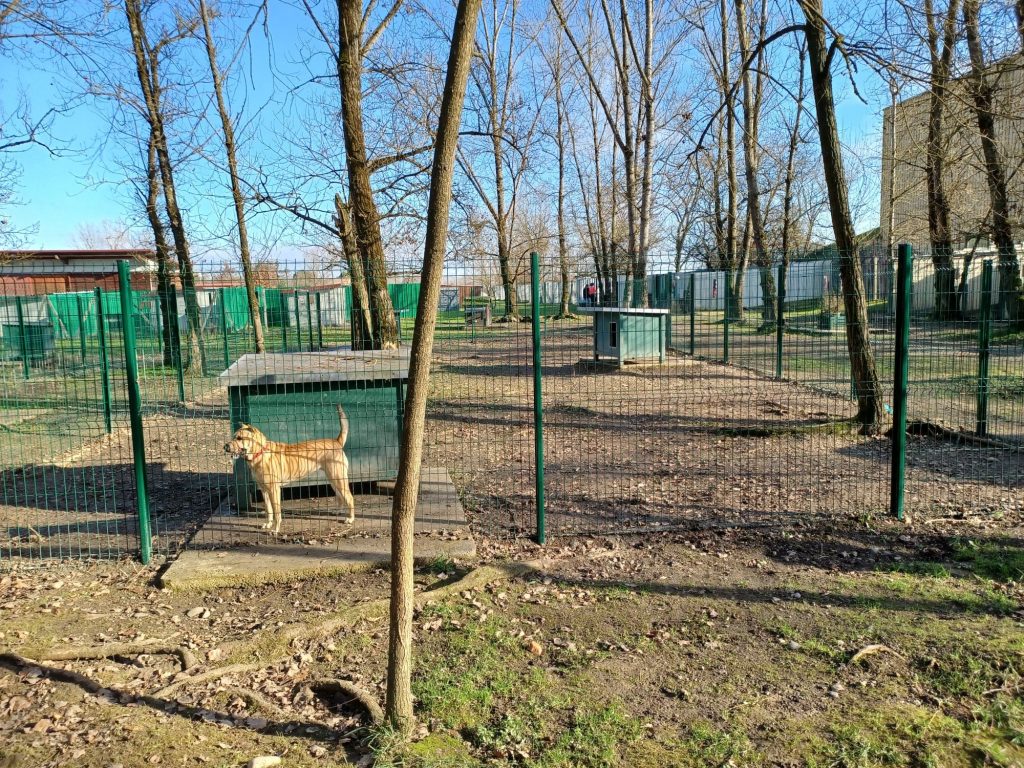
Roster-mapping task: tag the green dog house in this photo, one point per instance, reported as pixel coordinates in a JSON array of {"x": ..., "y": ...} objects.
[
  {"x": 294, "y": 397},
  {"x": 630, "y": 334}
]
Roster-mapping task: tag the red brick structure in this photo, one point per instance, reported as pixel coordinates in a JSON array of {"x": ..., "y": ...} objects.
[{"x": 31, "y": 273}]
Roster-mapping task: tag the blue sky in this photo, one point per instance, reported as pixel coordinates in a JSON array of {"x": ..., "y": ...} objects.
[{"x": 81, "y": 186}]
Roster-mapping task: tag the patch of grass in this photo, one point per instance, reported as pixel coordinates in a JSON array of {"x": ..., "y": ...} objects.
[
  {"x": 919, "y": 568},
  {"x": 852, "y": 746},
  {"x": 439, "y": 564},
  {"x": 996, "y": 560},
  {"x": 592, "y": 740},
  {"x": 965, "y": 670},
  {"x": 998, "y": 731},
  {"x": 459, "y": 684}
]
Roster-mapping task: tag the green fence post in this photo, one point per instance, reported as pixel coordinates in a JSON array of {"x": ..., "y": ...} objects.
[
  {"x": 298, "y": 323},
  {"x": 780, "y": 320},
  {"x": 728, "y": 305},
  {"x": 81, "y": 326},
  {"x": 176, "y": 356},
  {"x": 901, "y": 369},
  {"x": 22, "y": 341},
  {"x": 693, "y": 314},
  {"x": 224, "y": 328},
  {"x": 283, "y": 305},
  {"x": 984, "y": 343},
  {"x": 101, "y": 330},
  {"x": 538, "y": 403},
  {"x": 131, "y": 366},
  {"x": 309, "y": 320},
  {"x": 319, "y": 324}
]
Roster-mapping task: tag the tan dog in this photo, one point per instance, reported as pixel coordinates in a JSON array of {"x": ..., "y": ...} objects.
[{"x": 274, "y": 464}]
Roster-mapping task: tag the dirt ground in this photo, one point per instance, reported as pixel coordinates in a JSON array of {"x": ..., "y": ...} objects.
[{"x": 814, "y": 645}]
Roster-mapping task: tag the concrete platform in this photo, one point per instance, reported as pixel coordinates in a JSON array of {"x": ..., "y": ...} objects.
[{"x": 232, "y": 550}]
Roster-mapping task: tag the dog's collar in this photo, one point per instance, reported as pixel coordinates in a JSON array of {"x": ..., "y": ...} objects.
[{"x": 258, "y": 453}]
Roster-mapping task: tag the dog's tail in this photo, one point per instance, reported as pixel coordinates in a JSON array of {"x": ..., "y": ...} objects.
[{"x": 343, "y": 421}]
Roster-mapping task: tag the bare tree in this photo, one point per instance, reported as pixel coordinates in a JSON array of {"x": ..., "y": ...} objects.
[
  {"x": 941, "y": 44},
  {"x": 398, "y": 703},
  {"x": 870, "y": 413},
  {"x": 354, "y": 42},
  {"x": 147, "y": 66},
  {"x": 981, "y": 85},
  {"x": 238, "y": 199},
  {"x": 751, "y": 153}
]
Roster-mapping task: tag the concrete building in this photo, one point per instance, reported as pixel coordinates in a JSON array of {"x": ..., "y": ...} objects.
[{"x": 904, "y": 203}]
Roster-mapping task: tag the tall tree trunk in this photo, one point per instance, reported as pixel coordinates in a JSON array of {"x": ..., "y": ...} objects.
[
  {"x": 147, "y": 70},
  {"x": 168, "y": 314},
  {"x": 1018, "y": 9},
  {"x": 870, "y": 413},
  {"x": 236, "y": 188},
  {"x": 398, "y": 703},
  {"x": 647, "y": 172},
  {"x": 751, "y": 154},
  {"x": 983, "y": 93},
  {"x": 735, "y": 305},
  {"x": 563, "y": 247},
  {"x": 365, "y": 218},
  {"x": 794, "y": 143},
  {"x": 361, "y": 322},
  {"x": 939, "y": 231}
]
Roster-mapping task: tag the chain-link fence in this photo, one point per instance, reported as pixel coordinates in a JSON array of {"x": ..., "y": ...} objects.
[{"x": 721, "y": 398}]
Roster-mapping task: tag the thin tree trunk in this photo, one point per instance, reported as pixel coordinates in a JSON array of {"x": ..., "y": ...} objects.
[
  {"x": 147, "y": 70},
  {"x": 563, "y": 247},
  {"x": 982, "y": 92},
  {"x": 365, "y": 218},
  {"x": 731, "y": 213},
  {"x": 751, "y": 160},
  {"x": 236, "y": 188},
  {"x": 939, "y": 231},
  {"x": 168, "y": 314},
  {"x": 862, "y": 361},
  {"x": 362, "y": 323},
  {"x": 1019, "y": 11},
  {"x": 647, "y": 174},
  {"x": 398, "y": 703},
  {"x": 794, "y": 142}
]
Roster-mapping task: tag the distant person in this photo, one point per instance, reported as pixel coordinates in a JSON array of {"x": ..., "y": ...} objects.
[
  {"x": 592, "y": 294},
  {"x": 584, "y": 295}
]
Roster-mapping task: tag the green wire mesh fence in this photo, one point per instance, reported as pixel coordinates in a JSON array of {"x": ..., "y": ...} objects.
[{"x": 701, "y": 396}]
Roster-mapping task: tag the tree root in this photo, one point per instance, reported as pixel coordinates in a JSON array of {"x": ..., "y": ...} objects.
[
  {"x": 374, "y": 610},
  {"x": 154, "y": 647},
  {"x": 258, "y": 701},
  {"x": 348, "y": 688}
]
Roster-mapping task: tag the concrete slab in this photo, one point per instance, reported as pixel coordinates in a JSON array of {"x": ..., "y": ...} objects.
[{"x": 232, "y": 550}]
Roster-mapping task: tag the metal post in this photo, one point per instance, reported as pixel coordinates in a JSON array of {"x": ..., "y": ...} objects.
[
  {"x": 725, "y": 330},
  {"x": 283, "y": 305},
  {"x": 319, "y": 324},
  {"x": 538, "y": 403},
  {"x": 176, "y": 356},
  {"x": 101, "y": 329},
  {"x": 984, "y": 343},
  {"x": 693, "y": 313},
  {"x": 904, "y": 287},
  {"x": 780, "y": 320},
  {"x": 224, "y": 328},
  {"x": 22, "y": 341},
  {"x": 135, "y": 410},
  {"x": 309, "y": 320},
  {"x": 81, "y": 326},
  {"x": 298, "y": 323}
]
